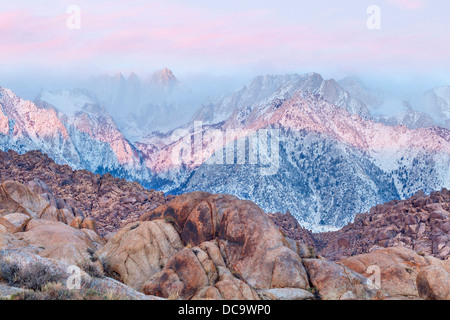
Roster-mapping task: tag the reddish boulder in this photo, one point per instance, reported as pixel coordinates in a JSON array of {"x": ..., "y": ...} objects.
[{"x": 249, "y": 241}]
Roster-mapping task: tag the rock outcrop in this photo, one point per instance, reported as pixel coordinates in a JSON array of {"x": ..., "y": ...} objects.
[
  {"x": 289, "y": 225},
  {"x": 44, "y": 229},
  {"x": 337, "y": 282},
  {"x": 404, "y": 273},
  {"x": 112, "y": 202},
  {"x": 201, "y": 246},
  {"x": 218, "y": 247},
  {"x": 420, "y": 223},
  {"x": 140, "y": 250},
  {"x": 39, "y": 245}
]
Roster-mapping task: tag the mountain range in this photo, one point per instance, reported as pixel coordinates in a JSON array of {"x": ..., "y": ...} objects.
[
  {"x": 202, "y": 246},
  {"x": 333, "y": 157},
  {"x": 138, "y": 104}
]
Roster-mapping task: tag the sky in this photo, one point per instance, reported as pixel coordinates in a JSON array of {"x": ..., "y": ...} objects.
[{"x": 51, "y": 43}]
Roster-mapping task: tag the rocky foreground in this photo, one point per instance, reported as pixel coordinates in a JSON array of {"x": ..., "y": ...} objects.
[
  {"x": 112, "y": 202},
  {"x": 420, "y": 223},
  {"x": 196, "y": 246}
]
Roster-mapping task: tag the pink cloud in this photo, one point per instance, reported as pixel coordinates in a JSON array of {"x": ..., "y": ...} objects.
[{"x": 172, "y": 32}]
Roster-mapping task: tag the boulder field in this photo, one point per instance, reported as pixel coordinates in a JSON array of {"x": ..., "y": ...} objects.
[
  {"x": 111, "y": 201},
  {"x": 197, "y": 246}
]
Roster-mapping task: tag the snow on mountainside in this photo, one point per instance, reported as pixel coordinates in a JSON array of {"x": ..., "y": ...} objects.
[
  {"x": 373, "y": 99},
  {"x": 87, "y": 138},
  {"x": 332, "y": 160},
  {"x": 387, "y": 108},
  {"x": 409, "y": 117},
  {"x": 332, "y": 164},
  {"x": 437, "y": 101},
  {"x": 24, "y": 127},
  {"x": 142, "y": 107},
  {"x": 92, "y": 130},
  {"x": 268, "y": 88},
  {"x": 67, "y": 101}
]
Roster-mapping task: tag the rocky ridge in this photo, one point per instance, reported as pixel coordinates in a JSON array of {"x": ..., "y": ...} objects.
[
  {"x": 111, "y": 201},
  {"x": 196, "y": 246},
  {"x": 323, "y": 151},
  {"x": 420, "y": 223},
  {"x": 40, "y": 243},
  {"x": 328, "y": 145}
]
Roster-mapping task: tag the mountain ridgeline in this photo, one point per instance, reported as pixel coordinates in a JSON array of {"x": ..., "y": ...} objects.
[{"x": 333, "y": 158}]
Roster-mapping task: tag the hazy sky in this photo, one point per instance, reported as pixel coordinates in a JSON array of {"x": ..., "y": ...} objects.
[{"x": 225, "y": 39}]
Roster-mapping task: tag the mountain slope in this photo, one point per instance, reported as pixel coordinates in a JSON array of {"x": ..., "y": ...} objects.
[
  {"x": 143, "y": 106},
  {"x": 264, "y": 89},
  {"x": 111, "y": 201},
  {"x": 331, "y": 163},
  {"x": 84, "y": 138},
  {"x": 420, "y": 223},
  {"x": 409, "y": 117},
  {"x": 26, "y": 127},
  {"x": 437, "y": 100},
  {"x": 92, "y": 130},
  {"x": 327, "y": 160}
]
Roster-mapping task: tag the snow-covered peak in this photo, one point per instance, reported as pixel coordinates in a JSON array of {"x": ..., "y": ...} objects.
[
  {"x": 264, "y": 89},
  {"x": 355, "y": 86},
  {"x": 6, "y": 91},
  {"x": 70, "y": 127},
  {"x": 70, "y": 101},
  {"x": 26, "y": 126},
  {"x": 437, "y": 101},
  {"x": 406, "y": 116},
  {"x": 164, "y": 77}
]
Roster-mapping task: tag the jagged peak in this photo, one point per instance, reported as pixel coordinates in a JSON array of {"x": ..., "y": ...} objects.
[
  {"x": 133, "y": 77},
  {"x": 6, "y": 91},
  {"x": 286, "y": 77},
  {"x": 119, "y": 76},
  {"x": 165, "y": 75},
  {"x": 352, "y": 80},
  {"x": 68, "y": 101}
]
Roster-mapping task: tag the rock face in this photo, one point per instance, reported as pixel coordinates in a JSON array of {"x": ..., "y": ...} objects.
[
  {"x": 62, "y": 242},
  {"x": 286, "y": 294},
  {"x": 403, "y": 273},
  {"x": 231, "y": 248},
  {"x": 254, "y": 249},
  {"x": 292, "y": 229},
  {"x": 14, "y": 222},
  {"x": 336, "y": 282},
  {"x": 38, "y": 247},
  {"x": 112, "y": 202},
  {"x": 420, "y": 223},
  {"x": 140, "y": 250},
  {"x": 433, "y": 283},
  {"x": 196, "y": 246},
  {"x": 43, "y": 270}
]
